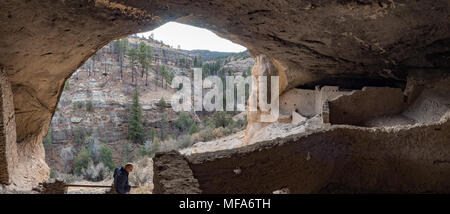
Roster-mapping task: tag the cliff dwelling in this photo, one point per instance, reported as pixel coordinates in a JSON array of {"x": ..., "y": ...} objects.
[{"x": 363, "y": 91}]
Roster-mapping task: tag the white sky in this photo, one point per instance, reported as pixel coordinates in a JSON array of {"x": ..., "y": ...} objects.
[{"x": 192, "y": 38}]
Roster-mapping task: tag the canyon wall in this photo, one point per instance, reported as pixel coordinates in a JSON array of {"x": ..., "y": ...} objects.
[{"x": 348, "y": 43}]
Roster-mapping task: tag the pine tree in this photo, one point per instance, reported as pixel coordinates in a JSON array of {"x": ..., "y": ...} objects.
[
  {"x": 152, "y": 134},
  {"x": 195, "y": 61},
  {"x": 121, "y": 47},
  {"x": 135, "y": 126},
  {"x": 184, "y": 121},
  {"x": 132, "y": 55},
  {"x": 164, "y": 74},
  {"x": 106, "y": 157},
  {"x": 145, "y": 56}
]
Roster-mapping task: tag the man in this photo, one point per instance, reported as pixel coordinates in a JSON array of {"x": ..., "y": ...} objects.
[{"x": 121, "y": 185}]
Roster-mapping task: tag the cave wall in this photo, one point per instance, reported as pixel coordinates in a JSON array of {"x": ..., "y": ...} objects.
[
  {"x": 369, "y": 103},
  {"x": 308, "y": 102}
]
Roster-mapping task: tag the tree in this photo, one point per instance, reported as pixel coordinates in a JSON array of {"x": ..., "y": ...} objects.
[
  {"x": 135, "y": 125},
  {"x": 132, "y": 56},
  {"x": 162, "y": 73},
  {"x": 93, "y": 58},
  {"x": 161, "y": 104},
  {"x": 152, "y": 134},
  {"x": 82, "y": 161},
  {"x": 184, "y": 121},
  {"x": 195, "y": 61},
  {"x": 121, "y": 47},
  {"x": 89, "y": 106},
  {"x": 145, "y": 58},
  {"x": 106, "y": 157},
  {"x": 222, "y": 118},
  {"x": 193, "y": 129},
  {"x": 48, "y": 139},
  {"x": 78, "y": 135}
]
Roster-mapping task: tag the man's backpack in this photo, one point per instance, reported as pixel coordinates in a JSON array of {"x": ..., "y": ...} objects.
[{"x": 116, "y": 173}]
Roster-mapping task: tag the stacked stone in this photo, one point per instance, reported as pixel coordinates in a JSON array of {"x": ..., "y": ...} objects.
[
  {"x": 172, "y": 175},
  {"x": 52, "y": 186}
]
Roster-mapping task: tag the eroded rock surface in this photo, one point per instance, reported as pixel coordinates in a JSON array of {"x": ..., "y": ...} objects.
[
  {"x": 315, "y": 157},
  {"x": 173, "y": 175},
  {"x": 307, "y": 43},
  {"x": 338, "y": 159}
]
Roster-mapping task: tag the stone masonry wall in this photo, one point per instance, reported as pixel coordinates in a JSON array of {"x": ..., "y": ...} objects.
[
  {"x": 173, "y": 175},
  {"x": 370, "y": 102},
  {"x": 8, "y": 149}
]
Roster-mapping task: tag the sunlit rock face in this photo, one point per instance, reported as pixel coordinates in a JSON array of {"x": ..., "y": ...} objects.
[{"x": 346, "y": 43}]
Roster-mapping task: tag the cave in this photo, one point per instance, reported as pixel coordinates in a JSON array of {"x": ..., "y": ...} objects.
[{"x": 399, "y": 45}]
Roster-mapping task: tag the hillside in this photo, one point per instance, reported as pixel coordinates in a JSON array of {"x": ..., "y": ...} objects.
[{"x": 94, "y": 108}]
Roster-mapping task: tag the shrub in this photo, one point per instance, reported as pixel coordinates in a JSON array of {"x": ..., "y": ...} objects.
[
  {"x": 48, "y": 139},
  {"x": 142, "y": 151},
  {"x": 89, "y": 106},
  {"x": 241, "y": 123},
  {"x": 169, "y": 145},
  {"x": 95, "y": 172},
  {"x": 222, "y": 118},
  {"x": 161, "y": 104},
  {"x": 185, "y": 141},
  {"x": 82, "y": 161},
  {"x": 227, "y": 131},
  {"x": 77, "y": 104},
  {"x": 78, "y": 135},
  {"x": 218, "y": 132},
  {"x": 52, "y": 173},
  {"x": 106, "y": 157},
  {"x": 208, "y": 122},
  {"x": 154, "y": 147},
  {"x": 196, "y": 138},
  {"x": 193, "y": 129},
  {"x": 206, "y": 135},
  {"x": 152, "y": 134},
  {"x": 184, "y": 121},
  {"x": 67, "y": 85},
  {"x": 68, "y": 178},
  {"x": 93, "y": 148}
]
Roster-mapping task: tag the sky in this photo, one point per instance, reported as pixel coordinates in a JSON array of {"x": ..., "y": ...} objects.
[{"x": 192, "y": 38}]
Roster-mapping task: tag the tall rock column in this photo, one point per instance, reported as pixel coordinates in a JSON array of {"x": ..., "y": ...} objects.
[{"x": 264, "y": 66}]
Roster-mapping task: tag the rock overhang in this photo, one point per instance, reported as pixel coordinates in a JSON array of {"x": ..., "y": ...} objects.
[{"x": 328, "y": 42}]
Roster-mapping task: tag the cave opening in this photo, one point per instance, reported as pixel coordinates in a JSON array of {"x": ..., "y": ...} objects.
[{"x": 90, "y": 133}]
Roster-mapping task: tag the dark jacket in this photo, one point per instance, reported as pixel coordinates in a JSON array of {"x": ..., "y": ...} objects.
[{"x": 121, "y": 181}]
